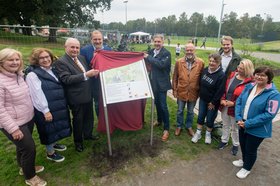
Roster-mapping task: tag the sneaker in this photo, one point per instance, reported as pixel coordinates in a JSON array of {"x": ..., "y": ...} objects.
[
  {"x": 222, "y": 145},
  {"x": 243, "y": 173},
  {"x": 196, "y": 137},
  {"x": 55, "y": 157},
  {"x": 38, "y": 169},
  {"x": 238, "y": 163},
  {"x": 36, "y": 181},
  {"x": 208, "y": 139},
  {"x": 59, "y": 147},
  {"x": 165, "y": 135},
  {"x": 234, "y": 150}
]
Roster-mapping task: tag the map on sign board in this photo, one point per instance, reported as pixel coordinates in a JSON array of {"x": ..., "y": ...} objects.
[{"x": 126, "y": 83}]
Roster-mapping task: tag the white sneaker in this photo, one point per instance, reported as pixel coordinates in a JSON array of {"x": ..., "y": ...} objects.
[
  {"x": 36, "y": 181},
  {"x": 196, "y": 137},
  {"x": 243, "y": 173},
  {"x": 208, "y": 139},
  {"x": 238, "y": 163}
]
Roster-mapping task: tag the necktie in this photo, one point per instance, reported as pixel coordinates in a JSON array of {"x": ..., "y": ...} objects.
[{"x": 79, "y": 65}]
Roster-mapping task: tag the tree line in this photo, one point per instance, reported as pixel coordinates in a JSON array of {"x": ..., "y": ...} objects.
[
  {"x": 256, "y": 27},
  {"x": 80, "y": 13}
]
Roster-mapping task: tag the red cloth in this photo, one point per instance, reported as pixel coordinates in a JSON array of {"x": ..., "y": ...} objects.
[
  {"x": 128, "y": 115},
  {"x": 105, "y": 60}
]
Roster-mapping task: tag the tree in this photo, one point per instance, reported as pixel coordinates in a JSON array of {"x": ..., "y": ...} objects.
[
  {"x": 196, "y": 21},
  {"x": 52, "y": 12},
  {"x": 182, "y": 24},
  {"x": 211, "y": 26},
  {"x": 230, "y": 23}
]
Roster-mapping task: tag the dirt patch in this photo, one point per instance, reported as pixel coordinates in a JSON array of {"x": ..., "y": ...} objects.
[
  {"x": 105, "y": 165},
  {"x": 215, "y": 168}
]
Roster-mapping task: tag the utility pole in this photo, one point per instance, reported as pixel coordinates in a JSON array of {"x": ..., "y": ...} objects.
[{"x": 221, "y": 20}]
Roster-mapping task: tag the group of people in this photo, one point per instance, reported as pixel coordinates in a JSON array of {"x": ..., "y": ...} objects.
[
  {"x": 247, "y": 99},
  {"x": 42, "y": 96}
]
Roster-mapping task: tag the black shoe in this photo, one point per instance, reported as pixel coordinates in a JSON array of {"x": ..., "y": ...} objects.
[
  {"x": 92, "y": 138},
  {"x": 234, "y": 150},
  {"x": 79, "y": 147},
  {"x": 222, "y": 145},
  {"x": 59, "y": 147}
]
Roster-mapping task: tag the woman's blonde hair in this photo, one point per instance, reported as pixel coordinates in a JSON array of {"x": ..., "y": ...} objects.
[
  {"x": 7, "y": 53},
  {"x": 34, "y": 57},
  {"x": 248, "y": 67}
]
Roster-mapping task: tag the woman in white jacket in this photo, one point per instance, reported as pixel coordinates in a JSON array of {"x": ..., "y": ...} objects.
[{"x": 16, "y": 113}]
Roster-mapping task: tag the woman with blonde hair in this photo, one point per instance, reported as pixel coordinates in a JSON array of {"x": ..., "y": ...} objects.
[
  {"x": 234, "y": 86},
  {"x": 51, "y": 113},
  {"x": 16, "y": 113}
]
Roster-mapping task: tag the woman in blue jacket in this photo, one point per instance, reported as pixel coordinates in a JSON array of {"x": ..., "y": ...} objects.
[{"x": 255, "y": 108}]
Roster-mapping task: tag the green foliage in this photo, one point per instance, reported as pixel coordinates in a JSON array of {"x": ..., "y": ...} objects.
[{"x": 196, "y": 25}]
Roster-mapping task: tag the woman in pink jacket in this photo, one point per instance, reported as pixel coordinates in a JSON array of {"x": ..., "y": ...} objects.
[{"x": 16, "y": 113}]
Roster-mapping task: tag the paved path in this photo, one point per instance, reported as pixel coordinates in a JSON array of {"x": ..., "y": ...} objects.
[{"x": 215, "y": 169}]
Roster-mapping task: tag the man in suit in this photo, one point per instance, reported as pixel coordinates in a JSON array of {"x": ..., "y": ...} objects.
[
  {"x": 75, "y": 75},
  {"x": 159, "y": 60},
  {"x": 88, "y": 52}
]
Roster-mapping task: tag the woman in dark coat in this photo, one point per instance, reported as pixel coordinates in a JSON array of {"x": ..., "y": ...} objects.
[{"x": 51, "y": 112}]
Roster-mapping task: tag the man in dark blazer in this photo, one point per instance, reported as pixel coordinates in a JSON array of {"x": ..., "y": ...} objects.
[
  {"x": 76, "y": 79},
  {"x": 88, "y": 51},
  {"x": 159, "y": 60}
]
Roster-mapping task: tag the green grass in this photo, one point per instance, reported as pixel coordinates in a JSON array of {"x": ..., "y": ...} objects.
[
  {"x": 90, "y": 166},
  {"x": 273, "y": 46},
  {"x": 132, "y": 154},
  {"x": 93, "y": 165}
]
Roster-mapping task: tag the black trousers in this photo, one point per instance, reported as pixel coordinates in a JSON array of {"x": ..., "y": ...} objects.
[
  {"x": 25, "y": 150},
  {"x": 82, "y": 121},
  {"x": 249, "y": 146}
]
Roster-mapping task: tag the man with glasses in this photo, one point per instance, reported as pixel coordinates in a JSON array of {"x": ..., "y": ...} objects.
[{"x": 185, "y": 86}]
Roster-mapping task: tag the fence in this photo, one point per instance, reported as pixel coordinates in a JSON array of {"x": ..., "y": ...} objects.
[{"x": 46, "y": 36}]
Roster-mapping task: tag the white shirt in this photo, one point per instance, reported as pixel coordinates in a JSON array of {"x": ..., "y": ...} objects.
[
  {"x": 38, "y": 97},
  {"x": 178, "y": 49},
  {"x": 225, "y": 60},
  {"x": 156, "y": 52},
  {"x": 249, "y": 101}
]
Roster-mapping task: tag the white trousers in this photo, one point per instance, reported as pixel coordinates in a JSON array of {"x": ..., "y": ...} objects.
[{"x": 229, "y": 127}]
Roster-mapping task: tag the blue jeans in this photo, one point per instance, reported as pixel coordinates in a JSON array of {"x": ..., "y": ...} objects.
[
  {"x": 205, "y": 112},
  {"x": 249, "y": 146},
  {"x": 162, "y": 109},
  {"x": 50, "y": 148},
  {"x": 180, "y": 113}
]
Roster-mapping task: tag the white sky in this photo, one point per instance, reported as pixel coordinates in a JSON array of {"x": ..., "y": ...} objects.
[{"x": 152, "y": 9}]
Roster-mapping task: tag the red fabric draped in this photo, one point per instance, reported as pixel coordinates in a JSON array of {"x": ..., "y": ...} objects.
[
  {"x": 105, "y": 60},
  {"x": 128, "y": 115}
]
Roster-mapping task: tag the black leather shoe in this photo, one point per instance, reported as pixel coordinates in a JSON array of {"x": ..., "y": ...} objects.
[
  {"x": 92, "y": 138},
  {"x": 79, "y": 147}
]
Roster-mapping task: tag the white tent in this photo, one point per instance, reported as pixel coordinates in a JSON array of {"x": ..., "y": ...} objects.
[
  {"x": 140, "y": 37},
  {"x": 139, "y": 34}
]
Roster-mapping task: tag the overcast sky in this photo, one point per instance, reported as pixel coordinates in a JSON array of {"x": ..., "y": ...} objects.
[{"x": 152, "y": 9}]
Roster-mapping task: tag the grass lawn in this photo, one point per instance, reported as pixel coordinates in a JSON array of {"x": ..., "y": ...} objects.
[
  {"x": 239, "y": 44},
  {"x": 132, "y": 154}
]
